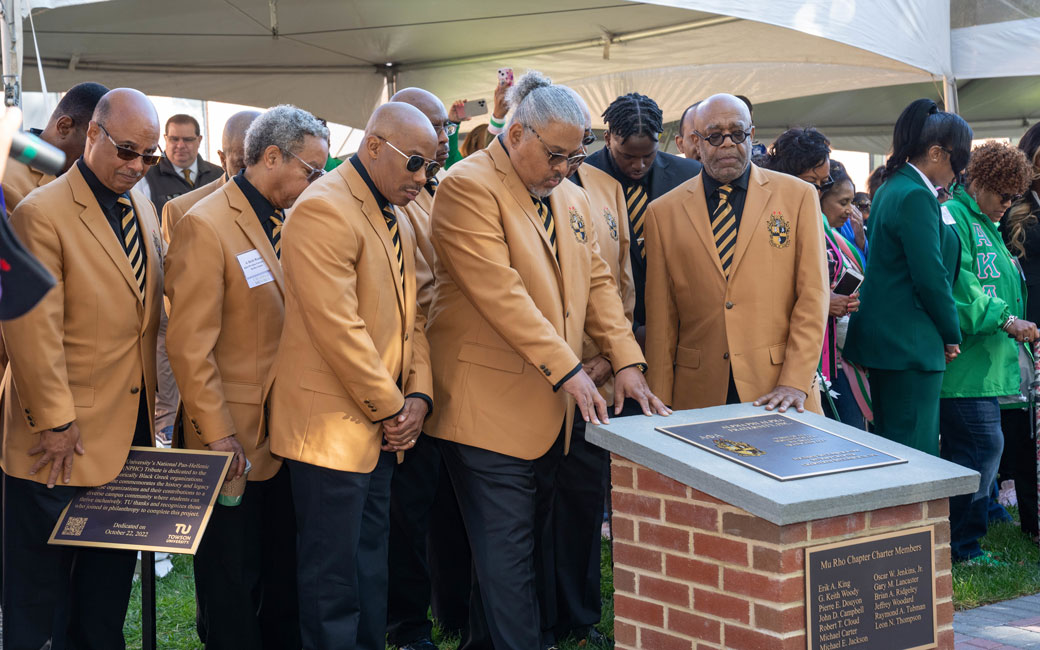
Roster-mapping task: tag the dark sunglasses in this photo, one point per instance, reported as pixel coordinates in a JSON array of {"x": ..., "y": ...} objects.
[
  {"x": 862, "y": 205},
  {"x": 415, "y": 161},
  {"x": 556, "y": 159},
  {"x": 825, "y": 185},
  {"x": 128, "y": 154},
  {"x": 590, "y": 137},
  {"x": 716, "y": 139},
  {"x": 313, "y": 173},
  {"x": 1005, "y": 198}
]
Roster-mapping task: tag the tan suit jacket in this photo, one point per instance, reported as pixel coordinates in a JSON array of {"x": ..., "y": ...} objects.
[
  {"x": 223, "y": 335},
  {"x": 82, "y": 352},
  {"x": 766, "y": 323},
  {"x": 608, "y": 220},
  {"x": 177, "y": 207},
  {"x": 508, "y": 317},
  {"x": 353, "y": 345},
  {"x": 418, "y": 213}
]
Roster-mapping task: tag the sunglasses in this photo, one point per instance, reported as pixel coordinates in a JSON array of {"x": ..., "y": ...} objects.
[
  {"x": 128, "y": 154},
  {"x": 313, "y": 173},
  {"x": 1006, "y": 198},
  {"x": 557, "y": 159},
  {"x": 825, "y": 185},
  {"x": 590, "y": 137},
  {"x": 415, "y": 161},
  {"x": 862, "y": 205},
  {"x": 716, "y": 139}
]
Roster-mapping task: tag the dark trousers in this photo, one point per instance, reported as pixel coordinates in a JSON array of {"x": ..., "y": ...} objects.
[
  {"x": 245, "y": 571},
  {"x": 847, "y": 409},
  {"x": 75, "y": 598},
  {"x": 421, "y": 496},
  {"x": 906, "y": 407},
  {"x": 971, "y": 437},
  {"x": 577, "y": 521},
  {"x": 342, "y": 524},
  {"x": 506, "y": 504},
  {"x": 1018, "y": 463}
]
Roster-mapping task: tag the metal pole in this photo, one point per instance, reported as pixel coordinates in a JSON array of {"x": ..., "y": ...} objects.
[
  {"x": 148, "y": 638},
  {"x": 10, "y": 35},
  {"x": 950, "y": 95}
]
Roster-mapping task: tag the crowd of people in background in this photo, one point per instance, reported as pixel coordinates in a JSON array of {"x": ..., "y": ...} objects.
[{"x": 401, "y": 350}]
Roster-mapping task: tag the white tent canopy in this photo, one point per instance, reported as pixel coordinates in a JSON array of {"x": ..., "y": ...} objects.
[{"x": 334, "y": 57}]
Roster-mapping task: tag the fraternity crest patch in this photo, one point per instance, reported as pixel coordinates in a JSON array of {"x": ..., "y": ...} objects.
[
  {"x": 611, "y": 223},
  {"x": 578, "y": 225},
  {"x": 779, "y": 231},
  {"x": 158, "y": 245}
]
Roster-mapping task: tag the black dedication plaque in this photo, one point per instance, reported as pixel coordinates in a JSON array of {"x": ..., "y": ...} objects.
[
  {"x": 872, "y": 593},
  {"x": 781, "y": 447},
  {"x": 161, "y": 501}
]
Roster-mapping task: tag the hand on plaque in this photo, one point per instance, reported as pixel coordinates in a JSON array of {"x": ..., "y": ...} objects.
[{"x": 781, "y": 398}]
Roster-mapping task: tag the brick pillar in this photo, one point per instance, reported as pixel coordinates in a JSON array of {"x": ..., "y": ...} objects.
[{"x": 694, "y": 573}]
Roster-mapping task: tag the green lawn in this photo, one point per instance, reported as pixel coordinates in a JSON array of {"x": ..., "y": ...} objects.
[{"x": 972, "y": 586}]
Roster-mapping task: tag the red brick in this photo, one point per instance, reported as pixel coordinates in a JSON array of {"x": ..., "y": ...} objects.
[
  {"x": 638, "y": 557},
  {"x": 623, "y": 528},
  {"x": 624, "y": 580},
  {"x": 638, "y": 610},
  {"x": 661, "y": 641},
  {"x": 647, "y": 480},
  {"x": 705, "y": 646},
  {"x": 725, "y": 550},
  {"x": 782, "y": 621},
  {"x": 622, "y": 475},
  {"x": 675, "y": 539},
  {"x": 741, "y": 637},
  {"x": 722, "y": 606},
  {"x": 668, "y": 591},
  {"x": 774, "y": 561},
  {"x": 944, "y": 587},
  {"x": 795, "y": 643},
  {"x": 837, "y": 526},
  {"x": 897, "y": 515},
  {"x": 943, "y": 561},
  {"x": 636, "y": 504},
  {"x": 624, "y": 633},
  {"x": 691, "y": 570},
  {"x": 692, "y": 625},
  {"x": 764, "y": 587},
  {"x": 697, "y": 495},
  {"x": 752, "y": 527},
  {"x": 939, "y": 508},
  {"x": 684, "y": 513},
  {"x": 946, "y": 639},
  {"x": 942, "y": 533},
  {"x": 944, "y": 613}
]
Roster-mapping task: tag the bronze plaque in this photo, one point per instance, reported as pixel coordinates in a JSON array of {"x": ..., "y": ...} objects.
[
  {"x": 872, "y": 593},
  {"x": 160, "y": 501},
  {"x": 781, "y": 447}
]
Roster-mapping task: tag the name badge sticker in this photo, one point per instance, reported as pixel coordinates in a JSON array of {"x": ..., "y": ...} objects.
[{"x": 254, "y": 268}]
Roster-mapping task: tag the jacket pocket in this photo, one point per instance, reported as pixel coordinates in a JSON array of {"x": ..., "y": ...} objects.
[
  {"x": 489, "y": 357},
  {"x": 242, "y": 393},
  {"x": 82, "y": 396},
  {"x": 322, "y": 382},
  {"x": 687, "y": 357},
  {"x": 777, "y": 353}
]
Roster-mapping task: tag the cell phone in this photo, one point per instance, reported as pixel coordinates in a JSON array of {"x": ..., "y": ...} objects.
[
  {"x": 505, "y": 76},
  {"x": 848, "y": 282},
  {"x": 474, "y": 108}
]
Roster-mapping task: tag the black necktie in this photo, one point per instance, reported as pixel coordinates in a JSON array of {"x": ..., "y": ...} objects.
[
  {"x": 395, "y": 237},
  {"x": 724, "y": 227},
  {"x": 132, "y": 240},
  {"x": 636, "y": 200},
  {"x": 545, "y": 213},
  {"x": 278, "y": 218},
  {"x": 431, "y": 185}
]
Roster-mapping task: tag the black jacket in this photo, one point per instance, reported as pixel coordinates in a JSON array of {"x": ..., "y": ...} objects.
[
  {"x": 165, "y": 183},
  {"x": 667, "y": 173}
]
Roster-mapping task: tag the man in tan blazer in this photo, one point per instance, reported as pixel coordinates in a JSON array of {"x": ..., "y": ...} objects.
[
  {"x": 519, "y": 280},
  {"x": 352, "y": 382},
  {"x": 737, "y": 293},
  {"x": 224, "y": 282},
  {"x": 81, "y": 383}
]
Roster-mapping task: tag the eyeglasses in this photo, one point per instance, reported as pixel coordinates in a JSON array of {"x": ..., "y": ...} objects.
[
  {"x": 449, "y": 128},
  {"x": 415, "y": 161},
  {"x": 1006, "y": 198},
  {"x": 716, "y": 139},
  {"x": 557, "y": 159},
  {"x": 827, "y": 184},
  {"x": 176, "y": 139},
  {"x": 313, "y": 173},
  {"x": 590, "y": 137},
  {"x": 128, "y": 154},
  {"x": 862, "y": 205}
]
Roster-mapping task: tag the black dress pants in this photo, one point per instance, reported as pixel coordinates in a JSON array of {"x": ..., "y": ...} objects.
[
  {"x": 506, "y": 504},
  {"x": 421, "y": 545},
  {"x": 245, "y": 571},
  {"x": 1018, "y": 463},
  {"x": 74, "y": 598},
  {"x": 342, "y": 526}
]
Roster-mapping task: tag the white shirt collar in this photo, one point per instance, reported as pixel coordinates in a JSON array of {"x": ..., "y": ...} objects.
[
  {"x": 924, "y": 178},
  {"x": 194, "y": 167}
]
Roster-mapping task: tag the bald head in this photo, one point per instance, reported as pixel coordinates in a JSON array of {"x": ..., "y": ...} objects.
[
  {"x": 125, "y": 103},
  {"x": 728, "y": 116},
  {"x": 131, "y": 123},
  {"x": 397, "y": 133},
  {"x": 721, "y": 107},
  {"x": 233, "y": 141},
  {"x": 433, "y": 109}
]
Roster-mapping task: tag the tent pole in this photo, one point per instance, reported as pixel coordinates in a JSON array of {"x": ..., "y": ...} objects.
[
  {"x": 10, "y": 33},
  {"x": 950, "y": 95}
]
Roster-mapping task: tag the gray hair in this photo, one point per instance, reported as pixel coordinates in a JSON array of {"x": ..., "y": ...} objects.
[
  {"x": 284, "y": 126},
  {"x": 536, "y": 102}
]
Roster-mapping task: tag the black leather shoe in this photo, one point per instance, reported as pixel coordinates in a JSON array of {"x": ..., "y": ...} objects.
[
  {"x": 595, "y": 639},
  {"x": 421, "y": 644}
]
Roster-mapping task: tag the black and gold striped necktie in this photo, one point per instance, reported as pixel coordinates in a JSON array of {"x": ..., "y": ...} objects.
[
  {"x": 545, "y": 214},
  {"x": 431, "y": 186},
  {"x": 724, "y": 228},
  {"x": 277, "y": 219},
  {"x": 395, "y": 237},
  {"x": 636, "y": 200},
  {"x": 132, "y": 241}
]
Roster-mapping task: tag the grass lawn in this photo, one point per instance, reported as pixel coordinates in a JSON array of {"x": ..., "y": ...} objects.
[{"x": 972, "y": 586}]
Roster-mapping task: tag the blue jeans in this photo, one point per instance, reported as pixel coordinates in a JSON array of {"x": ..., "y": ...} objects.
[{"x": 971, "y": 437}]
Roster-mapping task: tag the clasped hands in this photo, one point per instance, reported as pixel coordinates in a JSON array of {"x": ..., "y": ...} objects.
[{"x": 401, "y": 432}]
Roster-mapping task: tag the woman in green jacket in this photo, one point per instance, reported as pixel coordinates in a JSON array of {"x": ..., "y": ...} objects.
[
  {"x": 990, "y": 298},
  {"x": 906, "y": 328}
]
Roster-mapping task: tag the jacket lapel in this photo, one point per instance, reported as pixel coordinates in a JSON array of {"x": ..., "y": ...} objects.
[
  {"x": 523, "y": 198},
  {"x": 250, "y": 225},
  {"x": 752, "y": 220},
  {"x": 94, "y": 218},
  {"x": 370, "y": 207},
  {"x": 151, "y": 247},
  {"x": 696, "y": 205}
]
